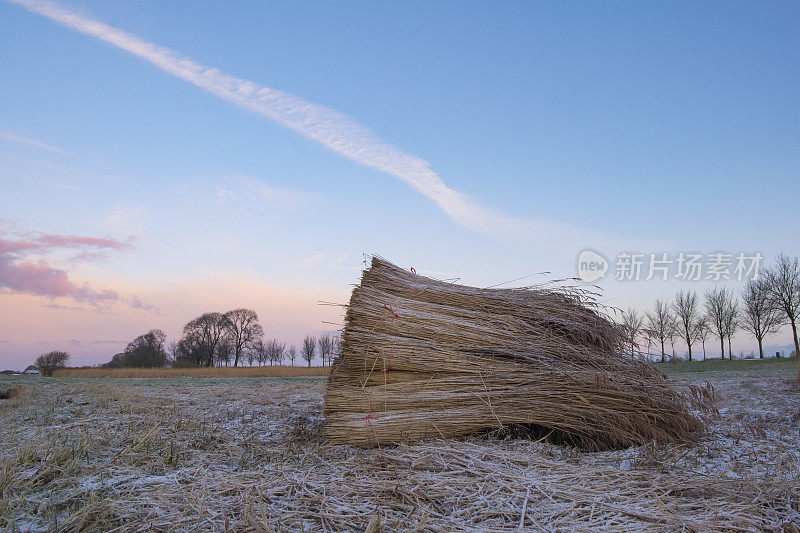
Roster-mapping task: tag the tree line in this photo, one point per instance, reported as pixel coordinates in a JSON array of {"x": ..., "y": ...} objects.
[
  {"x": 222, "y": 339},
  {"x": 764, "y": 305}
]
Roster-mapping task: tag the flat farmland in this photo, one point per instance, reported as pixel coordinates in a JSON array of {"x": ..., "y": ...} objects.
[{"x": 247, "y": 454}]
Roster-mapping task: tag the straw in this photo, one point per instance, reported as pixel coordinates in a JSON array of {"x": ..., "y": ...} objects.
[{"x": 423, "y": 358}]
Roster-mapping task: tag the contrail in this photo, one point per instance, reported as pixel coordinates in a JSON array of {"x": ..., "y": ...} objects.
[
  {"x": 330, "y": 128},
  {"x": 31, "y": 142}
]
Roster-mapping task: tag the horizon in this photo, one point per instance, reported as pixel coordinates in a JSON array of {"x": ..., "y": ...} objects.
[{"x": 164, "y": 160}]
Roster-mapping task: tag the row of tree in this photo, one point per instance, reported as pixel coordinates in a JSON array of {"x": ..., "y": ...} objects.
[
  {"x": 222, "y": 339},
  {"x": 233, "y": 338},
  {"x": 768, "y": 302}
]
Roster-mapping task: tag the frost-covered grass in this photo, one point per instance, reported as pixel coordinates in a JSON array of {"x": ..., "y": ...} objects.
[{"x": 247, "y": 454}]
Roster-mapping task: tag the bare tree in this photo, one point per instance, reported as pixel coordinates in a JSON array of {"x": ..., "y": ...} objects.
[
  {"x": 673, "y": 332},
  {"x": 49, "y": 362},
  {"x": 337, "y": 348},
  {"x": 204, "y": 334},
  {"x": 784, "y": 287},
  {"x": 717, "y": 303},
  {"x": 658, "y": 323},
  {"x": 144, "y": 351},
  {"x": 760, "y": 316},
  {"x": 309, "y": 348},
  {"x": 632, "y": 326},
  {"x": 647, "y": 333},
  {"x": 731, "y": 322},
  {"x": 291, "y": 353},
  {"x": 225, "y": 351},
  {"x": 701, "y": 331},
  {"x": 686, "y": 308},
  {"x": 275, "y": 351},
  {"x": 173, "y": 352},
  {"x": 243, "y": 329},
  {"x": 325, "y": 343},
  {"x": 251, "y": 354},
  {"x": 258, "y": 351},
  {"x": 188, "y": 351}
]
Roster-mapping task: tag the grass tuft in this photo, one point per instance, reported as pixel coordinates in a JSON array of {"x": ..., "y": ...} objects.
[{"x": 10, "y": 392}]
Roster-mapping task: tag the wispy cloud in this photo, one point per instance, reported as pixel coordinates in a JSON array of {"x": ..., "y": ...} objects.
[
  {"x": 97, "y": 342},
  {"x": 223, "y": 194},
  {"x": 263, "y": 193},
  {"x": 67, "y": 186},
  {"x": 136, "y": 303},
  {"x": 332, "y": 129},
  {"x": 43, "y": 241},
  {"x": 239, "y": 193},
  {"x": 126, "y": 220},
  {"x": 19, "y": 139},
  {"x": 79, "y": 342},
  {"x": 311, "y": 260},
  {"x": 338, "y": 261}
]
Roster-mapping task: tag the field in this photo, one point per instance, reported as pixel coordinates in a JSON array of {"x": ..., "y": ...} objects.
[
  {"x": 246, "y": 454},
  {"x": 203, "y": 372},
  {"x": 727, "y": 367}
]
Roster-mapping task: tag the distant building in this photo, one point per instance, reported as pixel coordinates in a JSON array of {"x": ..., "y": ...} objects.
[{"x": 32, "y": 371}]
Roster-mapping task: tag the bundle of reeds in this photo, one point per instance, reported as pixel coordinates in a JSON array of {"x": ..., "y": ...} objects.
[{"x": 423, "y": 358}]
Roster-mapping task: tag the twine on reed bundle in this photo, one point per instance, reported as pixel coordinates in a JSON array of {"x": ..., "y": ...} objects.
[{"x": 423, "y": 358}]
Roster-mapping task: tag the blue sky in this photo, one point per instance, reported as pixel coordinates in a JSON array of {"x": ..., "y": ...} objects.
[{"x": 613, "y": 126}]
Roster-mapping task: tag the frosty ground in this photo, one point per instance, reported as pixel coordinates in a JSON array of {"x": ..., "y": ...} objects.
[{"x": 247, "y": 455}]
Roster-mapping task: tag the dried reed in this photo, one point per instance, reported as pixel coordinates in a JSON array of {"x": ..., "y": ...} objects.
[{"x": 422, "y": 358}]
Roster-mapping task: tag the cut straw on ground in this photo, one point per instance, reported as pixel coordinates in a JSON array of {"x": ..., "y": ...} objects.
[{"x": 247, "y": 455}]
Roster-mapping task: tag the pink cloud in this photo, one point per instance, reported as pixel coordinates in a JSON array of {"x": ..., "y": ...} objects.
[
  {"x": 72, "y": 241},
  {"x": 43, "y": 241},
  {"x": 43, "y": 280},
  {"x": 136, "y": 303},
  {"x": 19, "y": 274}
]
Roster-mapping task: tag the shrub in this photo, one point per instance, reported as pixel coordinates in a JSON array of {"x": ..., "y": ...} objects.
[{"x": 49, "y": 362}]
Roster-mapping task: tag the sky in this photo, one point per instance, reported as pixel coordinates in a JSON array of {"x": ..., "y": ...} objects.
[{"x": 163, "y": 159}]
